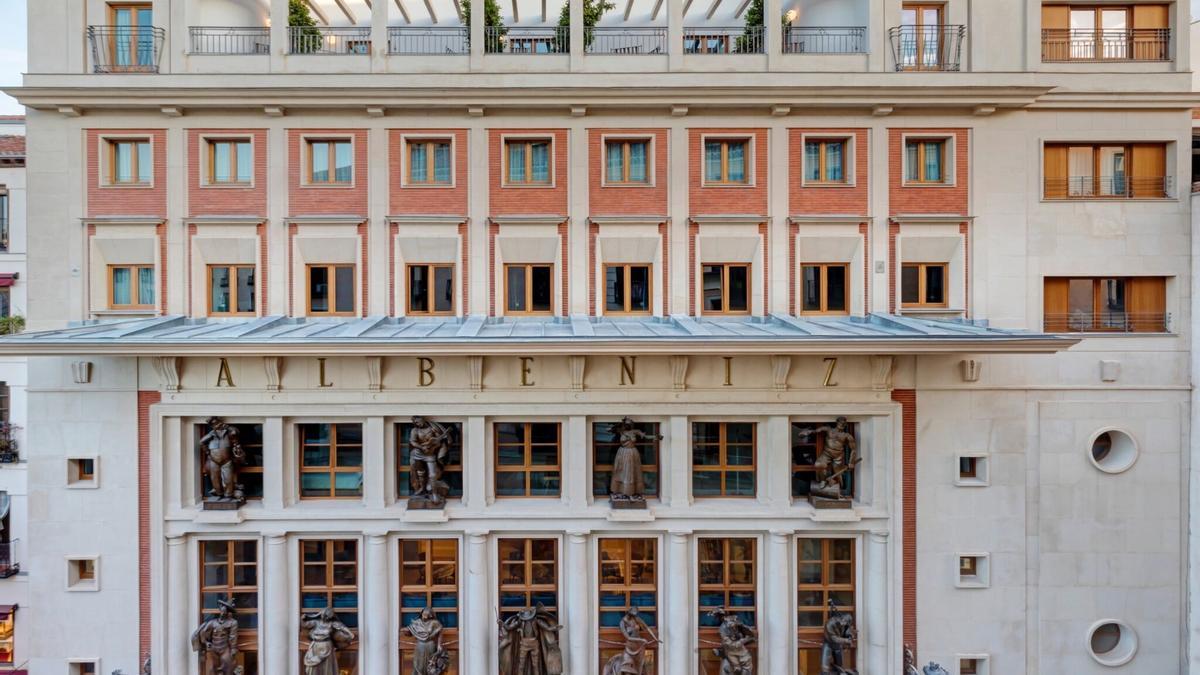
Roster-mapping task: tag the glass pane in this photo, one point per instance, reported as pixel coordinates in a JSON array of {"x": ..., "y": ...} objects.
[
  {"x": 510, "y": 484},
  {"x": 834, "y": 169},
  {"x": 509, "y": 432},
  {"x": 123, "y": 162},
  {"x": 912, "y": 167},
  {"x": 933, "y": 161},
  {"x": 1083, "y": 19},
  {"x": 417, "y": 169},
  {"x": 319, "y": 154},
  {"x": 343, "y": 161},
  {"x": 418, "y": 288},
  {"x": 712, "y": 161},
  {"x": 219, "y": 280},
  {"x": 314, "y": 485},
  {"x": 315, "y": 455},
  {"x": 145, "y": 285},
  {"x": 544, "y": 483},
  {"x": 811, "y": 291},
  {"x": 737, "y": 162},
  {"x": 639, "y": 289},
  {"x": 739, "y": 455},
  {"x": 348, "y": 484},
  {"x": 637, "y": 162},
  {"x": 443, "y": 289},
  {"x": 837, "y": 288},
  {"x": 706, "y": 455},
  {"x": 1112, "y": 171},
  {"x": 221, "y": 160},
  {"x": 245, "y": 158},
  {"x": 318, "y": 289},
  {"x": 614, "y": 161},
  {"x": 739, "y": 289},
  {"x": 812, "y": 161},
  {"x": 349, "y": 456},
  {"x": 935, "y": 285},
  {"x": 145, "y": 163},
  {"x": 344, "y": 287},
  {"x": 910, "y": 284},
  {"x": 516, "y": 162},
  {"x": 706, "y": 432},
  {"x": 713, "y": 288},
  {"x": 441, "y": 163},
  {"x": 706, "y": 483},
  {"x": 542, "y": 289},
  {"x": 614, "y": 289},
  {"x": 516, "y": 289},
  {"x": 122, "y": 286},
  {"x": 245, "y": 289},
  {"x": 739, "y": 483},
  {"x": 540, "y": 155}
]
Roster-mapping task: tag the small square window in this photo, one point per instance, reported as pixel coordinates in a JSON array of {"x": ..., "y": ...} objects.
[
  {"x": 926, "y": 161},
  {"x": 429, "y": 161},
  {"x": 231, "y": 290},
  {"x": 972, "y": 470},
  {"x": 727, "y": 161},
  {"x": 131, "y": 287},
  {"x": 626, "y": 161},
  {"x": 972, "y": 664},
  {"x": 527, "y": 161},
  {"x": 331, "y": 290},
  {"x": 430, "y": 289},
  {"x": 529, "y": 289},
  {"x": 627, "y": 289},
  {"x": 726, "y": 289},
  {"x": 825, "y": 288},
  {"x": 130, "y": 161},
  {"x": 83, "y": 574},
  {"x": 84, "y": 667},
  {"x": 826, "y": 160},
  {"x": 83, "y": 472},
  {"x": 973, "y": 570},
  {"x": 330, "y": 162},
  {"x": 230, "y": 161},
  {"x": 923, "y": 285}
]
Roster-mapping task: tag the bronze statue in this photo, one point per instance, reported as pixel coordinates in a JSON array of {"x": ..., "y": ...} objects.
[
  {"x": 216, "y": 641},
  {"x": 632, "y": 661},
  {"x": 628, "y": 485},
  {"x": 223, "y": 458},
  {"x": 529, "y": 643},
  {"x": 734, "y": 648},
  {"x": 430, "y": 656},
  {"x": 935, "y": 669},
  {"x": 428, "y": 450},
  {"x": 910, "y": 661},
  {"x": 839, "y": 636},
  {"x": 326, "y": 635},
  {"x": 838, "y": 457}
]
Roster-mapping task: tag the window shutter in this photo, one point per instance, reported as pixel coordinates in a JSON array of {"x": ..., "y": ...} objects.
[
  {"x": 1147, "y": 303},
  {"x": 1054, "y": 304},
  {"x": 1150, "y": 16},
  {"x": 1055, "y": 171},
  {"x": 1149, "y": 170},
  {"x": 1056, "y": 17}
]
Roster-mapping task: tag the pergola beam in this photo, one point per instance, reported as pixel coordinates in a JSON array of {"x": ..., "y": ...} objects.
[
  {"x": 432, "y": 14},
  {"x": 403, "y": 11},
  {"x": 657, "y": 8},
  {"x": 741, "y": 8},
  {"x": 712, "y": 9},
  {"x": 316, "y": 9},
  {"x": 346, "y": 10},
  {"x": 516, "y": 16},
  {"x": 543, "y": 11},
  {"x": 686, "y": 6},
  {"x": 458, "y": 10},
  {"x": 628, "y": 9}
]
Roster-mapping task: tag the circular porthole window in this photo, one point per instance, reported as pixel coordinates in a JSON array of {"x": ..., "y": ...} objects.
[
  {"x": 1112, "y": 642},
  {"x": 1112, "y": 450}
]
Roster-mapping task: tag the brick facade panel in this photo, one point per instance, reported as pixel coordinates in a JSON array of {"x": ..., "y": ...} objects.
[
  {"x": 427, "y": 200},
  {"x": 527, "y": 201},
  {"x": 727, "y": 200},
  {"x": 104, "y": 200},
  {"x": 827, "y": 200},
  {"x": 204, "y": 200},
  {"x": 304, "y": 200},
  {"x": 928, "y": 199},
  {"x": 627, "y": 201}
]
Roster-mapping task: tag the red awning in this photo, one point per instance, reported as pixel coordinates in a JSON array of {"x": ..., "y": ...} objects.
[
  {"x": 7, "y": 610},
  {"x": 8, "y": 279}
]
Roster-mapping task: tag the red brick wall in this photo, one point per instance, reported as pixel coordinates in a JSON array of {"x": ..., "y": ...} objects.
[
  {"x": 627, "y": 201},
  {"x": 935, "y": 199},
  {"x": 907, "y": 398},
  {"x": 726, "y": 200},
  {"x": 527, "y": 201},
  {"x": 126, "y": 201},
  {"x": 427, "y": 200},
  {"x": 827, "y": 200},
  {"x": 224, "y": 201},
  {"x": 145, "y": 399},
  {"x": 311, "y": 200}
]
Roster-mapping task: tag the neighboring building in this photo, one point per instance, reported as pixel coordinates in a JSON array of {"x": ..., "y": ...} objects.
[{"x": 959, "y": 225}]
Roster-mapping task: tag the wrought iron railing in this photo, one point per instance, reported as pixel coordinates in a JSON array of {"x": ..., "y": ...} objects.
[
  {"x": 1108, "y": 321},
  {"x": 824, "y": 40},
  {"x": 927, "y": 47},
  {"x": 329, "y": 40},
  {"x": 1109, "y": 187},
  {"x": 1132, "y": 44},
  {"x": 612, "y": 40},
  {"x": 724, "y": 40},
  {"x": 10, "y": 563},
  {"x": 230, "y": 40},
  {"x": 432, "y": 40},
  {"x": 527, "y": 39},
  {"x": 126, "y": 49}
]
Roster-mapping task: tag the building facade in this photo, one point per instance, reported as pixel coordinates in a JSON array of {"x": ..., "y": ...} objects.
[{"x": 957, "y": 225}]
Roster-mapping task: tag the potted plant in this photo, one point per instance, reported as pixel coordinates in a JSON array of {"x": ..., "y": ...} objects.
[{"x": 8, "y": 443}]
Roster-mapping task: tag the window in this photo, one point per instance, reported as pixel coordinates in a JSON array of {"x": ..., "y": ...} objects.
[
  {"x": 330, "y": 162},
  {"x": 626, "y": 161},
  {"x": 528, "y": 575},
  {"x": 723, "y": 459},
  {"x": 132, "y": 45},
  {"x": 8, "y": 632},
  {"x": 250, "y": 475},
  {"x": 972, "y": 570},
  {"x": 1106, "y": 171},
  {"x": 5, "y": 300},
  {"x": 923, "y": 285},
  {"x": 628, "y": 578},
  {"x": 83, "y": 574},
  {"x": 728, "y": 579},
  {"x": 825, "y": 573},
  {"x": 807, "y": 446},
  {"x": 527, "y": 162},
  {"x": 452, "y": 472},
  {"x": 331, "y": 290},
  {"x": 1105, "y": 304},
  {"x": 922, "y": 44},
  {"x": 429, "y": 578},
  {"x": 131, "y": 287},
  {"x": 229, "y": 573},
  {"x": 627, "y": 289},
  {"x": 968, "y": 467},
  {"x": 429, "y": 162},
  {"x": 824, "y": 288},
  {"x": 528, "y": 289},
  {"x": 84, "y": 668},
  {"x": 726, "y": 161},
  {"x": 231, "y": 290},
  {"x": 81, "y": 472},
  {"x": 430, "y": 289},
  {"x": 605, "y": 441},
  {"x": 1139, "y": 32},
  {"x": 5, "y": 401},
  {"x": 825, "y": 161},
  {"x": 129, "y": 162},
  {"x": 3, "y": 218},
  {"x": 925, "y": 161},
  {"x": 329, "y": 578},
  {"x": 230, "y": 162},
  {"x": 528, "y": 459},
  {"x": 726, "y": 288},
  {"x": 331, "y": 461}
]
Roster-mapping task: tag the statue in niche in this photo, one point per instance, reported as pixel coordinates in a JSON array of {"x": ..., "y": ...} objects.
[
  {"x": 627, "y": 488},
  {"x": 734, "y": 648},
  {"x": 529, "y": 643},
  {"x": 428, "y": 450},
  {"x": 223, "y": 458},
  {"x": 839, "y": 636},
  {"x": 430, "y": 656},
  {"x": 838, "y": 457},
  {"x": 216, "y": 641},
  {"x": 326, "y": 635},
  {"x": 910, "y": 661},
  {"x": 632, "y": 661}
]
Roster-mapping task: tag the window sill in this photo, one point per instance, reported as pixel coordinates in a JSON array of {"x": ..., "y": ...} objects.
[
  {"x": 626, "y": 185},
  {"x": 324, "y": 186},
  {"x": 125, "y": 312},
  {"x": 426, "y": 186},
  {"x": 540, "y": 186},
  {"x": 827, "y": 184},
  {"x": 706, "y": 184},
  {"x": 126, "y": 186},
  {"x": 927, "y": 185},
  {"x": 1113, "y": 334},
  {"x": 227, "y": 186}
]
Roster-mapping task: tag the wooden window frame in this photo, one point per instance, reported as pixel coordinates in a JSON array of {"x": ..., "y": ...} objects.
[
  {"x": 1131, "y": 175},
  {"x": 527, "y": 468},
  {"x": 920, "y": 50},
  {"x": 429, "y": 589},
  {"x": 134, "y": 273},
  {"x": 725, "y": 311},
  {"x": 529, "y": 311},
  {"x": 110, "y": 148},
  {"x": 429, "y": 300},
  {"x": 430, "y": 143},
  {"x": 823, "y": 143},
  {"x": 247, "y": 638},
  {"x": 527, "y": 586},
  {"x": 1137, "y": 317},
  {"x": 608, "y": 638},
  {"x": 726, "y": 587},
  {"x": 826, "y": 587},
  {"x": 725, "y": 142},
  {"x": 233, "y": 295},
  {"x": 331, "y": 159},
  {"x": 329, "y": 588},
  {"x": 626, "y": 143},
  {"x": 334, "y": 467},
  {"x": 921, "y": 285},
  {"x": 971, "y": 465},
  {"x": 722, "y": 466},
  {"x": 968, "y": 566},
  {"x": 210, "y": 166},
  {"x": 332, "y": 268},
  {"x": 134, "y": 65},
  {"x": 824, "y": 295},
  {"x": 403, "y": 469},
  {"x": 627, "y": 271},
  {"x": 655, "y": 467},
  {"x": 922, "y": 142},
  {"x": 528, "y": 142}
]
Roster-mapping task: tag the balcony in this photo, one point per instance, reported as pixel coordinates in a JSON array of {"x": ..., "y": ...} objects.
[
  {"x": 429, "y": 40},
  {"x": 125, "y": 49},
  {"x": 10, "y": 563},
  {"x": 934, "y": 48},
  {"x": 230, "y": 40},
  {"x": 329, "y": 40},
  {"x": 1108, "y": 321},
  {"x": 1063, "y": 45},
  {"x": 724, "y": 40},
  {"x": 612, "y": 40},
  {"x": 824, "y": 40},
  {"x": 1109, "y": 187},
  {"x": 527, "y": 39}
]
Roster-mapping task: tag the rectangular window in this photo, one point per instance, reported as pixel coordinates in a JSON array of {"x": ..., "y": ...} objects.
[
  {"x": 921, "y": 45},
  {"x": 726, "y": 161},
  {"x": 230, "y": 162},
  {"x": 331, "y": 461},
  {"x": 605, "y": 443},
  {"x": 8, "y": 630},
  {"x": 452, "y": 472},
  {"x": 231, "y": 290},
  {"x": 807, "y": 446},
  {"x": 1105, "y": 171},
  {"x": 923, "y": 285},
  {"x": 131, "y": 287},
  {"x": 527, "y": 162},
  {"x": 3, "y": 218},
  {"x": 825, "y": 574},
  {"x": 726, "y": 288},
  {"x": 329, "y": 578},
  {"x": 728, "y": 580},
  {"x": 825, "y": 161},
  {"x": 528, "y": 289},
  {"x": 968, "y": 468},
  {"x": 431, "y": 289},
  {"x": 429, "y": 161},
  {"x": 229, "y": 573},
  {"x": 723, "y": 455},
  {"x": 625, "y": 161},
  {"x": 628, "y": 578},
  {"x": 250, "y": 437},
  {"x": 130, "y": 162},
  {"x": 5, "y": 300},
  {"x": 528, "y": 459},
  {"x": 132, "y": 45},
  {"x": 1140, "y": 32},
  {"x": 925, "y": 161},
  {"x": 528, "y": 575},
  {"x": 330, "y": 162},
  {"x": 429, "y": 578},
  {"x": 1105, "y": 304},
  {"x": 824, "y": 288},
  {"x": 331, "y": 290},
  {"x": 627, "y": 289}
]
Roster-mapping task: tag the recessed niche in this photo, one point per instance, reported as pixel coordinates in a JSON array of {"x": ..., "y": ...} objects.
[
  {"x": 83, "y": 573},
  {"x": 972, "y": 470},
  {"x": 84, "y": 667},
  {"x": 972, "y": 664},
  {"x": 82, "y": 472},
  {"x": 1111, "y": 642},
  {"x": 1112, "y": 450},
  {"x": 973, "y": 570}
]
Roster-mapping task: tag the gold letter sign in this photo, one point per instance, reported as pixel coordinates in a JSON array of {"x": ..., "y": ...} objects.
[
  {"x": 526, "y": 371},
  {"x": 628, "y": 370},
  {"x": 321, "y": 373},
  {"x": 425, "y": 376},
  {"x": 728, "y": 371},
  {"x": 830, "y": 364},
  {"x": 223, "y": 375}
]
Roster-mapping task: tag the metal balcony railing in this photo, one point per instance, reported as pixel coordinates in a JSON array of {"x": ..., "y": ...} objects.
[
  {"x": 125, "y": 49},
  {"x": 824, "y": 40},
  {"x": 612, "y": 40},
  {"x": 527, "y": 39},
  {"x": 3, "y": 233},
  {"x": 724, "y": 40},
  {"x": 341, "y": 40},
  {"x": 1109, "y": 187},
  {"x": 10, "y": 563},
  {"x": 230, "y": 40},
  {"x": 1108, "y": 321},
  {"x": 927, "y": 47},
  {"x": 435, "y": 40},
  {"x": 1133, "y": 44}
]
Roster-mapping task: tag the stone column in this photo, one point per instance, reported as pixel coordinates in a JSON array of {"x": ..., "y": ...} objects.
[
  {"x": 276, "y": 621},
  {"x": 178, "y": 627},
  {"x": 676, "y": 622},
  {"x": 478, "y": 632},
  {"x": 474, "y": 455},
  {"x": 575, "y": 485},
  {"x": 375, "y": 637},
  {"x": 374, "y": 463},
  {"x": 279, "y": 34},
  {"x": 777, "y": 603},
  {"x": 575, "y": 605},
  {"x": 576, "y": 31},
  {"x": 274, "y": 472},
  {"x": 675, "y": 42},
  {"x": 677, "y": 464},
  {"x": 875, "y": 604}
]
